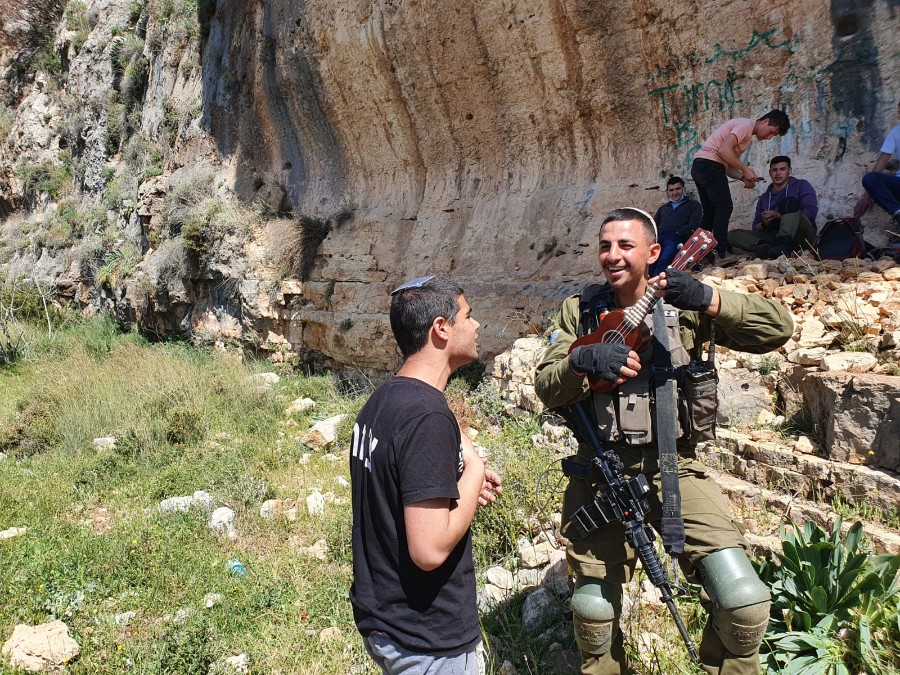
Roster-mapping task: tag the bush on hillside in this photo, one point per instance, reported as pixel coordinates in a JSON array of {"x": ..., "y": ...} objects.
[{"x": 835, "y": 607}]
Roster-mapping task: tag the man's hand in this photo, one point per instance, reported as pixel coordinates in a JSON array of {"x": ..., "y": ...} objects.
[
  {"x": 491, "y": 486},
  {"x": 770, "y": 218},
  {"x": 683, "y": 291},
  {"x": 490, "y": 489},
  {"x": 613, "y": 362},
  {"x": 749, "y": 178}
]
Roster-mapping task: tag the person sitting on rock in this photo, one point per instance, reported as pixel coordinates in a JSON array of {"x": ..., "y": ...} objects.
[
  {"x": 785, "y": 220},
  {"x": 881, "y": 186},
  {"x": 676, "y": 219}
]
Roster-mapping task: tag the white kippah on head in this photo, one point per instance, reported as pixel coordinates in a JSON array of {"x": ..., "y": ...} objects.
[{"x": 649, "y": 217}]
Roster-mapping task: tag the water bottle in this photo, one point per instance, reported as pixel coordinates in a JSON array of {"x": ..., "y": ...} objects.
[{"x": 236, "y": 567}]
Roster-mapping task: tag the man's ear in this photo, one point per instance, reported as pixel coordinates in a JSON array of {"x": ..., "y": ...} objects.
[
  {"x": 440, "y": 328},
  {"x": 655, "y": 250}
]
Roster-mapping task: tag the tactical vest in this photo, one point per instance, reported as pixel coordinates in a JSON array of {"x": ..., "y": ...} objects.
[{"x": 626, "y": 415}]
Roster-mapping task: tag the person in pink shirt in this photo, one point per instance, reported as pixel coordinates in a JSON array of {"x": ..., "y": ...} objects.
[{"x": 720, "y": 159}]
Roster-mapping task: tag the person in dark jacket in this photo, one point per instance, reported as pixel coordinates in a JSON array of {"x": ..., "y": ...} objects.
[
  {"x": 676, "y": 220},
  {"x": 785, "y": 220}
]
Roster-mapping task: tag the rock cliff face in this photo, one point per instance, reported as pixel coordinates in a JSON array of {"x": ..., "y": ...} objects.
[{"x": 484, "y": 140}]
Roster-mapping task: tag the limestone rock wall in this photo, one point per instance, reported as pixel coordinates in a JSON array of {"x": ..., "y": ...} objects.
[{"x": 486, "y": 139}]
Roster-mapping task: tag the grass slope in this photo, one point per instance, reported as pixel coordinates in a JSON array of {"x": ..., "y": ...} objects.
[{"x": 186, "y": 420}]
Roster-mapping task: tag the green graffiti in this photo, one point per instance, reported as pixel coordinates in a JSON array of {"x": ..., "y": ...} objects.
[
  {"x": 756, "y": 40},
  {"x": 692, "y": 60},
  {"x": 687, "y": 100}
]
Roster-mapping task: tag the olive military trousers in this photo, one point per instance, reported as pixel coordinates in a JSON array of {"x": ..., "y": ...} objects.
[
  {"x": 709, "y": 527},
  {"x": 795, "y": 227}
]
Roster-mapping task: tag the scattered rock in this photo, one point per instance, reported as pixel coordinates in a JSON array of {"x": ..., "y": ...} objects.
[
  {"x": 300, "y": 405},
  {"x": 537, "y": 609},
  {"x": 562, "y": 661},
  {"x": 13, "y": 532},
  {"x": 319, "y": 550},
  {"x": 275, "y": 508},
  {"x": 852, "y": 362},
  {"x": 501, "y": 577},
  {"x": 323, "y": 434},
  {"x": 210, "y": 600},
  {"x": 124, "y": 618},
  {"x": 263, "y": 382},
  {"x": 490, "y": 596},
  {"x": 182, "y": 615},
  {"x": 803, "y": 444},
  {"x": 765, "y": 417},
  {"x": 529, "y": 578},
  {"x": 650, "y": 594},
  {"x": 807, "y": 356},
  {"x": 343, "y": 482},
  {"x": 231, "y": 665},
  {"x": 741, "y": 396},
  {"x": 46, "y": 646},
  {"x": 201, "y": 498},
  {"x": 507, "y": 668},
  {"x": 315, "y": 503},
  {"x": 329, "y": 634},
  {"x": 222, "y": 522},
  {"x": 514, "y": 372},
  {"x": 533, "y": 555},
  {"x": 557, "y": 576},
  {"x": 105, "y": 443}
]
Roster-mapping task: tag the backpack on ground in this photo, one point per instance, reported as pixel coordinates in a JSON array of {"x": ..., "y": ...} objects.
[{"x": 841, "y": 238}]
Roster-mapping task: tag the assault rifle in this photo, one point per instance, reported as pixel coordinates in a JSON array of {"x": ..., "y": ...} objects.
[{"x": 622, "y": 499}]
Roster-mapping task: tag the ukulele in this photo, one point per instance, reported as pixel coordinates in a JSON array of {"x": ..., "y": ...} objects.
[{"x": 626, "y": 326}]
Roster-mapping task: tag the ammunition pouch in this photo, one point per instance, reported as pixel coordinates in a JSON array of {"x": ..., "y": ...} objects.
[{"x": 699, "y": 402}]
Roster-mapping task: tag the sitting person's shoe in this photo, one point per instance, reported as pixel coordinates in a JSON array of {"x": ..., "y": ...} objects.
[{"x": 783, "y": 246}]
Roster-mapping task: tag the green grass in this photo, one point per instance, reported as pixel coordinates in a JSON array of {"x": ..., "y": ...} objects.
[{"x": 96, "y": 544}]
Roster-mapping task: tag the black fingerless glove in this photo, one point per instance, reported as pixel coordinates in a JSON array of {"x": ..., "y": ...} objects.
[
  {"x": 685, "y": 292},
  {"x": 603, "y": 360}
]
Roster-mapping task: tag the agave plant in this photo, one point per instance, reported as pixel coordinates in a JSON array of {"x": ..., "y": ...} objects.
[{"x": 834, "y": 606}]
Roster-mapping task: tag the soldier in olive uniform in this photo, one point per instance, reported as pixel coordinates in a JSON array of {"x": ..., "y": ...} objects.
[{"x": 714, "y": 547}]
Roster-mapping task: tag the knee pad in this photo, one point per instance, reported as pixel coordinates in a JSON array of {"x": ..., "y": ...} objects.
[
  {"x": 739, "y": 600},
  {"x": 594, "y": 605}
]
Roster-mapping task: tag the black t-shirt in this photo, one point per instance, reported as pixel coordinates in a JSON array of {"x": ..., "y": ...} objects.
[{"x": 406, "y": 449}]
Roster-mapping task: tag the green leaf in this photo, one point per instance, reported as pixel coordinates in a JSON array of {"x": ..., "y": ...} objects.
[{"x": 819, "y": 599}]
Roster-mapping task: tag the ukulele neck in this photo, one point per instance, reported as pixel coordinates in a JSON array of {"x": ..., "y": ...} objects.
[{"x": 635, "y": 314}]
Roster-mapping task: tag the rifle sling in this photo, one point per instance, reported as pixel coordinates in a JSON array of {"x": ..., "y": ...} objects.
[{"x": 666, "y": 431}]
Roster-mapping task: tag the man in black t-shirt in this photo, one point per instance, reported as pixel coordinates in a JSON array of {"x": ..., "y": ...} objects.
[{"x": 416, "y": 481}]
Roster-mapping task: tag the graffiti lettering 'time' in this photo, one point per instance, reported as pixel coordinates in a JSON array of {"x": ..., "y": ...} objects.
[{"x": 689, "y": 99}]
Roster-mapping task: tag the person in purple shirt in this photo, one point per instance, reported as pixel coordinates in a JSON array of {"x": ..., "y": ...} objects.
[{"x": 785, "y": 220}]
